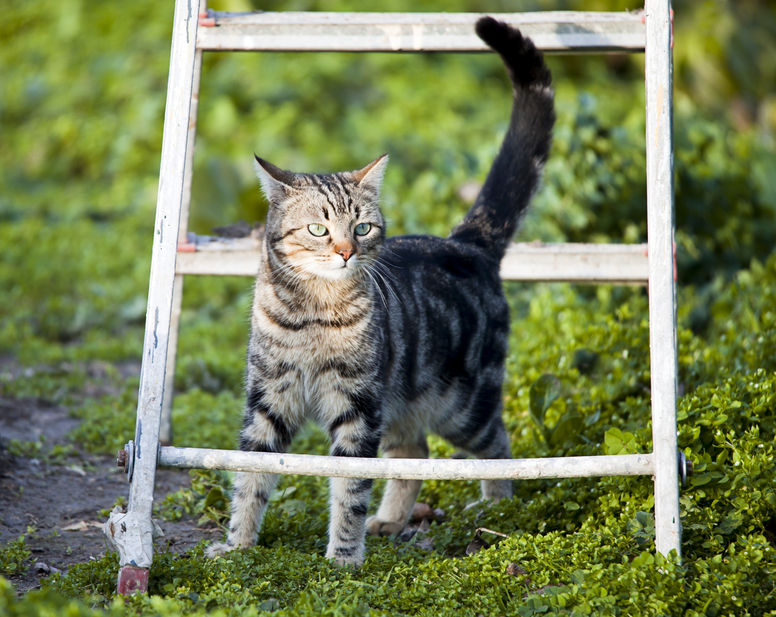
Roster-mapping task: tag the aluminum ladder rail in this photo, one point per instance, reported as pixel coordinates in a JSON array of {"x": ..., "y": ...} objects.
[{"x": 176, "y": 253}]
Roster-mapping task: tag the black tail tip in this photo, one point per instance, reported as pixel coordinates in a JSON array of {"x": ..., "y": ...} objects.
[
  {"x": 494, "y": 32},
  {"x": 524, "y": 61}
]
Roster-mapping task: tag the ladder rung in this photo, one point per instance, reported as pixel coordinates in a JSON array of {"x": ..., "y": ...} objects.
[
  {"x": 410, "y": 469},
  {"x": 576, "y": 263},
  {"x": 583, "y": 263},
  {"x": 553, "y": 31}
]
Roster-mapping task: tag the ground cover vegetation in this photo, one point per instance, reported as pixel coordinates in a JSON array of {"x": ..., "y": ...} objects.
[{"x": 81, "y": 110}]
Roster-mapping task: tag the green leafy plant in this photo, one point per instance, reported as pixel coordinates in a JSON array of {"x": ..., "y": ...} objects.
[{"x": 14, "y": 555}]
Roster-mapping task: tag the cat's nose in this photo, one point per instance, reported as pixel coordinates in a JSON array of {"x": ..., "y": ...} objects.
[{"x": 346, "y": 251}]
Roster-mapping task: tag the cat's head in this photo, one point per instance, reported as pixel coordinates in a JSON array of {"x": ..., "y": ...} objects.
[{"x": 328, "y": 226}]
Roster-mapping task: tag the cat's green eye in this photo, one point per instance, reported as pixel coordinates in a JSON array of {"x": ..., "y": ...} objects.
[
  {"x": 317, "y": 229},
  {"x": 363, "y": 229}
]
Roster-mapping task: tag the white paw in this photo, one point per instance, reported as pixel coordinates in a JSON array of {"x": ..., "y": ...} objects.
[
  {"x": 218, "y": 549},
  {"x": 379, "y": 527},
  {"x": 342, "y": 562},
  {"x": 346, "y": 556}
]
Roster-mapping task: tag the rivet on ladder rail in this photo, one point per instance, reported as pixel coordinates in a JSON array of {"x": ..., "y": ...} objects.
[
  {"x": 126, "y": 458},
  {"x": 685, "y": 468}
]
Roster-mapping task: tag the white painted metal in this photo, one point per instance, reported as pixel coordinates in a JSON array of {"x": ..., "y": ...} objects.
[
  {"x": 165, "y": 428},
  {"x": 165, "y": 423},
  {"x": 134, "y": 531},
  {"x": 409, "y": 469},
  {"x": 557, "y": 31},
  {"x": 576, "y": 263},
  {"x": 535, "y": 261},
  {"x": 662, "y": 288}
]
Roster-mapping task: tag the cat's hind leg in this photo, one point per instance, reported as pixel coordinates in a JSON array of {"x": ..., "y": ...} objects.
[
  {"x": 399, "y": 496},
  {"x": 250, "y": 496},
  {"x": 492, "y": 442},
  {"x": 482, "y": 434}
]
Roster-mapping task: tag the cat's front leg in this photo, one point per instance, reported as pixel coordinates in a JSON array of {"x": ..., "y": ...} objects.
[
  {"x": 250, "y": 496},
  {"x": 355, "y": 432},
  {"x": 264, "y": 430},
  {"x": 349, "y": 500}
]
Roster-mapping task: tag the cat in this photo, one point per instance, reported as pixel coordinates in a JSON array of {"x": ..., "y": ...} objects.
[{"x": 378, "y": 339}]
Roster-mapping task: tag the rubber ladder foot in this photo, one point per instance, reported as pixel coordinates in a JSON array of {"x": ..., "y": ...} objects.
[{"x": 132, "y": 580}]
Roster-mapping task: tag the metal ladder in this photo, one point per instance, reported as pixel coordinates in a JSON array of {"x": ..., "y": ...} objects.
[{"x": 177, "y": 253}]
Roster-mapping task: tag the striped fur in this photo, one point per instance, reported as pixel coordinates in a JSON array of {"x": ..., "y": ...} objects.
[{"x": 382, "y": 340}]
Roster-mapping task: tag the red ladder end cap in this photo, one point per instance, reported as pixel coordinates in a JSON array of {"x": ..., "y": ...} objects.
[
  {"x": 206, "y": 20},
  {"x": 132, "y": 580}
]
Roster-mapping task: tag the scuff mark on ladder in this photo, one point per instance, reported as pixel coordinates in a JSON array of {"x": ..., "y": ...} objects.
[
  {"x": 152, "y": 350},
  {"x": 156, "y": 325},
  {"x": 188, "y": 21}
]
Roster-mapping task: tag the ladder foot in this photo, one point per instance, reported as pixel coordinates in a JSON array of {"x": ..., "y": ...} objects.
[{"x": 132, "y": 580}]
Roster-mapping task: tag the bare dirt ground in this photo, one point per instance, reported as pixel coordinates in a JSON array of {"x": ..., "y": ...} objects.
[{"x": 62, "y": 502}]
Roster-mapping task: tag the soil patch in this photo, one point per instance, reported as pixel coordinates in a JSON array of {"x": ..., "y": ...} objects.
[{"x": 62, "y": 501}]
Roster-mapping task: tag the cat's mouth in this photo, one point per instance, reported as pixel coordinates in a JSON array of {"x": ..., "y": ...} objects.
[{"x": 339, "y": 271}]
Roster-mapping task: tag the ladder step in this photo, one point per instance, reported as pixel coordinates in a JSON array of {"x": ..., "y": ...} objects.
[
  {"x": 553, "y": 31},
  {"x": 571, "y": 262},
  {"x": 408, "y": 469}
]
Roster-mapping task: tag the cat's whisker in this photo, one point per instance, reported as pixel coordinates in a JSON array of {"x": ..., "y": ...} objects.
[
  {"x": 386, "y": 279},
  {"x": 376, "y": 286}
]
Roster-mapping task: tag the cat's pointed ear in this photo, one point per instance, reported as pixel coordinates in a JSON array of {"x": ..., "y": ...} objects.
[
  {"x": 371, "y": 176},
  {"x": 275, "y": 182}
]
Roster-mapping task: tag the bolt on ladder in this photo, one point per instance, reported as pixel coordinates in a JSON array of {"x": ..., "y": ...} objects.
[{"x": 176, "y": 253}]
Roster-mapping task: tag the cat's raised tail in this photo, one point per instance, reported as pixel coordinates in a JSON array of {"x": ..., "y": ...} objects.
[{"x": 515, "y": 173}]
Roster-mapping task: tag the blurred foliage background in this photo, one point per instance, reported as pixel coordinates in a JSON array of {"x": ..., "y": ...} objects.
[
  {"x": 81, "y": 110},
  {"x": 82, "y": 91}
]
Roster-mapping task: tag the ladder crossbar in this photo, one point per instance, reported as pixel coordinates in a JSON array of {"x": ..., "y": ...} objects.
[
  {"x": 551, "y": 31},
  {"x": 408, "y": 469},
  {"x": 524, "y": 261}
]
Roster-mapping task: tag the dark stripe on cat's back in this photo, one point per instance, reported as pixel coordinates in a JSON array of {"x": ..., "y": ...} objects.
[
  {"x": 430, "y": 253},
  {"x": 485, "y": 401}
]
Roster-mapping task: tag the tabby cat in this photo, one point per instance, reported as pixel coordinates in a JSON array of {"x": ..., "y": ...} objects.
[{"x": 378, "y": 339}]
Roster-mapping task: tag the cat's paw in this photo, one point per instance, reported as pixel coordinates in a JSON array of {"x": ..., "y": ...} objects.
[
  {"x": 379, "y": 527},
  {"x": 347, "y": 562},
  {"x": 218, "y": 549},
  {"x": 346, "y": 556}
]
